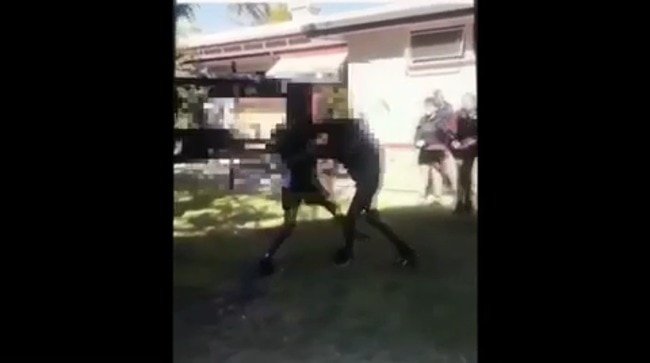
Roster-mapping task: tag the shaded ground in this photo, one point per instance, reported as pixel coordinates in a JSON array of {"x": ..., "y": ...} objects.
[{"x": 311, "y": 311}]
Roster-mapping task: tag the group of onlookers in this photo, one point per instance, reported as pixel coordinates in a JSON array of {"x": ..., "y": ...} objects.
[
  {"x": 447, "y": 143},
  {"x": 448, "y": 150}
]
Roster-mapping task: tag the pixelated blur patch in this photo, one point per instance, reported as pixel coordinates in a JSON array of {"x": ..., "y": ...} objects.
[{"x": 322, "y": 138}]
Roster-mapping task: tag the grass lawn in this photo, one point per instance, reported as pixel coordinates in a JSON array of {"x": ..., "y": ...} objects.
[{"x": 312, "y": 311}]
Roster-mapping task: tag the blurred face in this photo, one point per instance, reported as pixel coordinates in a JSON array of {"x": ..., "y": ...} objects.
[
  {"x": 429, "y": 108},
  {"x": 438, "y": 99},
  {"x": 468, "y": 102}
]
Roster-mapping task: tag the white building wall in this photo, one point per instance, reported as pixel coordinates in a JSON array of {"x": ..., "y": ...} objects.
[
  {"x": 382, "y": 86},
  {"x": 390, "y": 94}
]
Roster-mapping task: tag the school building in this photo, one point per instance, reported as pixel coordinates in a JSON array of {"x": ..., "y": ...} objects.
[{"x": 380, "y": 63}]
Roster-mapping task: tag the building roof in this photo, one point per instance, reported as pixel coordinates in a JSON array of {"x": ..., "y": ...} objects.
[
  {"x": 245, "y": 34},
  {"x": 386, "y": 15},
  {"x": 394, "y": 11}
]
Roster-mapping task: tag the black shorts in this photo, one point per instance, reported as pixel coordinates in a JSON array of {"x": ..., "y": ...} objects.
[
  {"x": 310, "y": 195},
  {"x": 427, "y": 157}
]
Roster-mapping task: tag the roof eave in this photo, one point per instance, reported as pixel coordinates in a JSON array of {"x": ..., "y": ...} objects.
[{"x": 349, "y": 25}]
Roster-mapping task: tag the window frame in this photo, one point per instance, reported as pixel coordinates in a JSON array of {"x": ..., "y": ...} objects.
[{"x": 420, "y": 61}]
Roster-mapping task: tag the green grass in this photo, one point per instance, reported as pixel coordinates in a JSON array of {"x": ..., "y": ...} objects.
[{"x": 311, "y": 311}]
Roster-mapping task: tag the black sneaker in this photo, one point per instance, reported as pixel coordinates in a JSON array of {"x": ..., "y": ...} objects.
[
  {"x": 407, "y": 258},
  {"x": 343, "y": 257},
  {"x": 267, "y": 267},
  {"x": 464, "y": 208}
]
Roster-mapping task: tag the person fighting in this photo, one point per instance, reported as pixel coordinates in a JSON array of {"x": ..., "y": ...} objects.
[
  {"x": 356, "y": 149},
  {"x": 300, "y": 184}
]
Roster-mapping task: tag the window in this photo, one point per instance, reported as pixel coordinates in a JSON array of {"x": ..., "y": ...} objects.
[
  {"x": 276, "y": 43},
  {"x": 212, "y": 50},
  {"x": 253, "y": 46},
  {"x": 234, "y": 48},
  {"x": 439, "y": 44},
  {"x": 300, "y": 40}
]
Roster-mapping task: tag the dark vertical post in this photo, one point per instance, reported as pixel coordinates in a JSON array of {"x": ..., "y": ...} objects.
[
  {"x": 231, "y": 175},
  {"x": 299, "y": 98},
  {"x": 299, "y": 108}
]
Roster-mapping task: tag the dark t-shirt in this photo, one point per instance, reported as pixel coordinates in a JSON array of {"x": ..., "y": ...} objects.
[
  {"x": 465, "y": 131},
  {"x": 359, "y": 154},
  {"x": 301, "y": 176},
  {"x": 300, "y": 173},
  {"x": 466, "y": 125},
  {"x": 433, "y": 129}
]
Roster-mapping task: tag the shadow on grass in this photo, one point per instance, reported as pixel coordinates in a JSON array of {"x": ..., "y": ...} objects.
[{"x": 313, "y": 312}]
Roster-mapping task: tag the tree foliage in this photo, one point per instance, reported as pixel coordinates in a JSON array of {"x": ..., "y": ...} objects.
[
  {"x": 260, "y": 13},
  {"x": 279, "y": 14},
  {"x": 189, "y": 100},
  {"x": 185, "y": 11}
]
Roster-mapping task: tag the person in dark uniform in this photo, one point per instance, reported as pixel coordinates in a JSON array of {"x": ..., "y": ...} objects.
[
  {"x": 431, "y": 137},
  {"x": 299, "y": 185},
  {"x": 357, "y": 150},
  {"x": 464, "y": 146}
]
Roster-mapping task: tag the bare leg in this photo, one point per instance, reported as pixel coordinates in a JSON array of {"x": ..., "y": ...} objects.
[
  {"x": 446, "y": 179},
  {"x": 437, "y": 182},
  {"x": 266, "y": 264},
  {"x": 346, "y": 254},
  {"x": 425, "y": 179},
  {"x": 404, "y": 250},
  {"x": 451, "y": 169},
  {"x": 333, "y": 209},
  {"x": 286, "y": 230},
  {"x": 362, "y": 202}
]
